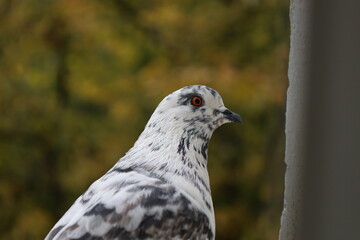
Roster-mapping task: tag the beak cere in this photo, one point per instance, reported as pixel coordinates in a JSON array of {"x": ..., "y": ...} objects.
[{"x": 233, "y": 117}]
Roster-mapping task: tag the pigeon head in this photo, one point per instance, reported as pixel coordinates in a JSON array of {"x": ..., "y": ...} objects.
[
  {"x": 198, "y": 106},
  {"x": 183, "y": 124}
]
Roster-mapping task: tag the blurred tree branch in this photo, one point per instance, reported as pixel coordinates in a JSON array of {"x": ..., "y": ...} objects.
[{"x": 58, "y": 38}]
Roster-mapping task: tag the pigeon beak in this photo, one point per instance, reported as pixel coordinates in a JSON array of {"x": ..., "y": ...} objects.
[{"x": 233, "y": 117}]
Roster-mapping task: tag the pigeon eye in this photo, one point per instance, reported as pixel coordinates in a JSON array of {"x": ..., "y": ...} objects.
[{"x": 197, "y": 101}]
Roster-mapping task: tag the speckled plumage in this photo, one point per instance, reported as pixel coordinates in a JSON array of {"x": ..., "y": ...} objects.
[{"x": 160, "y": 189}]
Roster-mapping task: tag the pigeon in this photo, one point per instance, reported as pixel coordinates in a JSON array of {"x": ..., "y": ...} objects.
[{"x": 160, "y": 189}]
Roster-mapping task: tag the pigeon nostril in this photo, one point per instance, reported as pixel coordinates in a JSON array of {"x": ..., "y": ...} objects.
[
  {"x": 227, "y": 112},
  {"x": 232, "y": 116}
]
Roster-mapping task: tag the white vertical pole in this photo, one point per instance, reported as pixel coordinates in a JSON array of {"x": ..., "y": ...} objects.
[
  {"x": 295, "y": 118},
  {"x": 332, "y": 150}
]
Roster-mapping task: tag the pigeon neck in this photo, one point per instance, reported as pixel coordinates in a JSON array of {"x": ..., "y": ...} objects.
[
  {"x": 176, "y": 154},
  {"x": 186, "y": 142}
]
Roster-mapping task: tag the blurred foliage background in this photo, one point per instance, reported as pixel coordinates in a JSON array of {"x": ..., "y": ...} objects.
[{"x": 80, "y": 78}]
